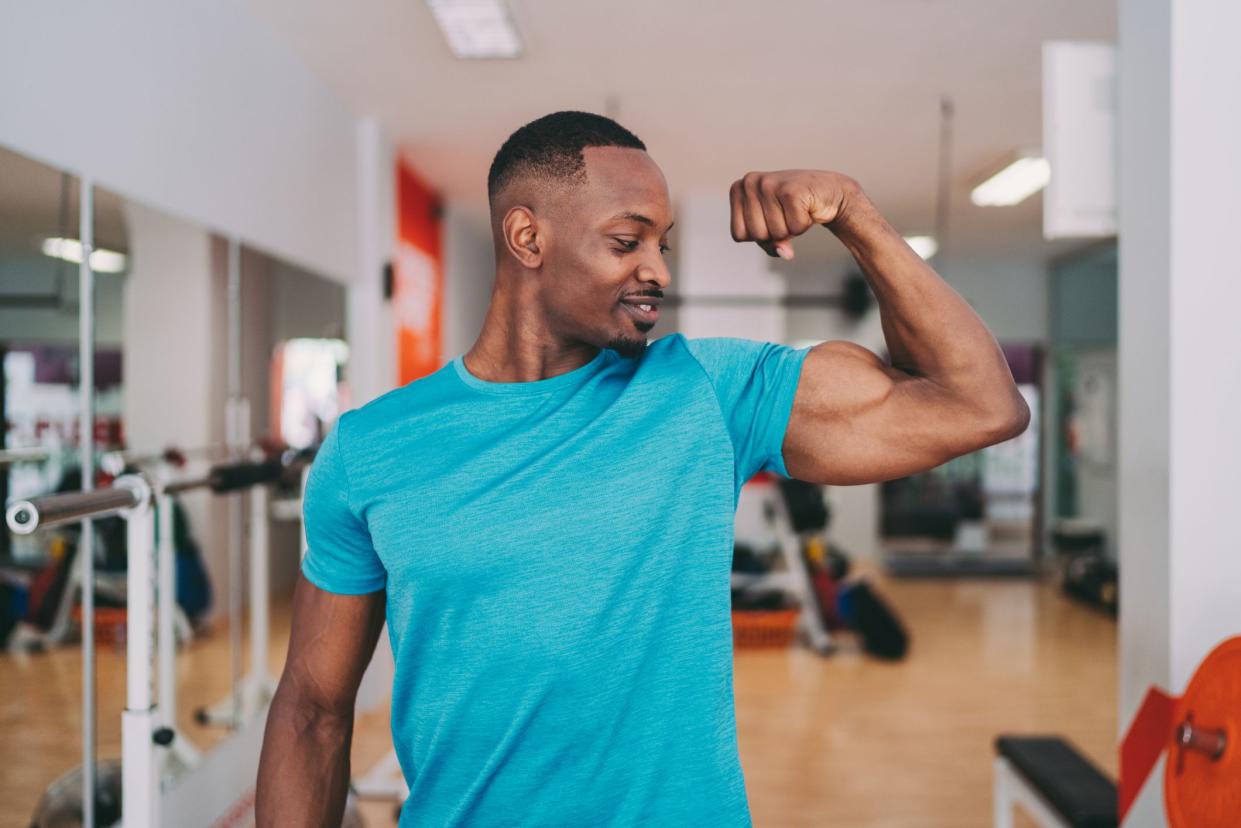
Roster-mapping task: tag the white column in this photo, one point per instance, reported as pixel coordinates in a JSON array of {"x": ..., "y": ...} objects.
[
  {"x": 368, "y": 318},
  {"x": 1180, "y": 284}
]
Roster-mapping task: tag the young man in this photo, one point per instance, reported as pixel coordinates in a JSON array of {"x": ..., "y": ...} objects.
[{"x": 547, "y": 520}]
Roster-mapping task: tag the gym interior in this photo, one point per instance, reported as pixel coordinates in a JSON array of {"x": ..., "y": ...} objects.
[{"x": 222, "y": 225}]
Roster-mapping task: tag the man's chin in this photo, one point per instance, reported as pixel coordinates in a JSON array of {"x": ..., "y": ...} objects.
[{"x": 631, "y": 347}]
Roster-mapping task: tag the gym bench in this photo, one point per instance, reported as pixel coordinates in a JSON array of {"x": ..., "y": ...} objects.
[{"x": 1053, "y": 783}]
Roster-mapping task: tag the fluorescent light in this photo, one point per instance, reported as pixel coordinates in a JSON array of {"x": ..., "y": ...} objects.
[
  {"x": 477, "y": 29},
  {"x": 1013, "y": 184},
  {"x": 70, "y": 250},
  {"x": 924, "y": 246}
]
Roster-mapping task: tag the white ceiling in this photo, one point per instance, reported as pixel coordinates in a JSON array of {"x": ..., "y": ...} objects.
[{"x": 715, "y": 89}]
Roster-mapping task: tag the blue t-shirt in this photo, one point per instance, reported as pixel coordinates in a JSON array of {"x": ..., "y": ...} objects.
[{"x": 556, "y": 556}]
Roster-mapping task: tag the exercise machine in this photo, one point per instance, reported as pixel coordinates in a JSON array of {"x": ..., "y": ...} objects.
[
  {"x": 162, "y": 774},
  {"x": 130, "y": 498},
  {"x": 1199, "y": 731},
  {"x": 792, "y": 577}
]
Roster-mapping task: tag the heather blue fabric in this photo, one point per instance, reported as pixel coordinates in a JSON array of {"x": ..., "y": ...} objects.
[{"x": 556, "y": 556}]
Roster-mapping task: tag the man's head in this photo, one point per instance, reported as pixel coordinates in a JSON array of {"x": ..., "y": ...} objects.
[{"x": 580, "y": 214}]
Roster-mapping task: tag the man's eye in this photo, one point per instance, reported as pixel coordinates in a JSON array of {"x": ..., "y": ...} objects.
[
  {"x": 664, "y": 249},
  {"x": 628, "y": 244}
]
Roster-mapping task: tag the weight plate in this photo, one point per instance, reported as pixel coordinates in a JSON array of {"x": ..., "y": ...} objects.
[{"x": 1199, "y": 791}]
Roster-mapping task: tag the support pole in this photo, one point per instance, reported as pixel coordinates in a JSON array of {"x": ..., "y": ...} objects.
[
  {"x": 180, "y": 754},
  {"x": 139, "y": 776},
  {"x": 237, "y": 416},
  {"x": 86, "y": 445},
  {"x": 167, "y": 643},
  {"x": 259, "y": 574}
]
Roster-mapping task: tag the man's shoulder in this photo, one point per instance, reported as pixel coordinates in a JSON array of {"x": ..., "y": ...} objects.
[
  {"x": 413, "y": 398},
  {"x": 710, "y": 352},
  {"x": 674, "y": 351}
]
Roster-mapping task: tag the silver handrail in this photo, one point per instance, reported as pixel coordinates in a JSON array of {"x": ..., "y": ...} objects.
[{"x": 25, "y": 516}]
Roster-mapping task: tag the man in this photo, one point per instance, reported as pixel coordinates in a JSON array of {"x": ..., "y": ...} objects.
[{"x": 547, "y": 520}]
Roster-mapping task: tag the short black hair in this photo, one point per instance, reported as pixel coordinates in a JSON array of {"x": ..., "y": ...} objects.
[{"x": 551, "y": 147}]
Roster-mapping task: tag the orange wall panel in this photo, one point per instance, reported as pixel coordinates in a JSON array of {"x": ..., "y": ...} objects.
[{"x": 418, "y": 277}]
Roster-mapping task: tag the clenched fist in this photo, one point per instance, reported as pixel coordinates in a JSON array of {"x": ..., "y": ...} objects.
[{"x": 771, "y": 208}]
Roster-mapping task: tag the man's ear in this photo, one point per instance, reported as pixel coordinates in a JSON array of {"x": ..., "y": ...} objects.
[{"x": 521, "y": 236}]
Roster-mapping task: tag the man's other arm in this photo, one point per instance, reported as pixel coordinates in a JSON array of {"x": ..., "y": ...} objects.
[{"x": 304, "y": 767}]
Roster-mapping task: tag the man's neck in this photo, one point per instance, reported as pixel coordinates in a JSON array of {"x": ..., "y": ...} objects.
[{"x": 516, "y": 343}]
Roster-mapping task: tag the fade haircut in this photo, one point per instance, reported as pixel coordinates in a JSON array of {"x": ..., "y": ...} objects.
[{"x": 551, "y": 148}]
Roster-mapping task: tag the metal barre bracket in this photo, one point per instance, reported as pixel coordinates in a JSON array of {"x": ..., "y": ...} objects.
[{"x": 125, "y": 494}]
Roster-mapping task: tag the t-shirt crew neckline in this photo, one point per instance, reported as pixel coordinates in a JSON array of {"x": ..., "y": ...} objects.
[{"x": 562, "y": 382}]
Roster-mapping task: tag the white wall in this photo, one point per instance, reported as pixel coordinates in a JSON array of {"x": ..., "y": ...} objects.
[
  {"x": 174, "y": 376},
  {"x": 1179, "y": 287},
  {"x": 193, "y": 107},
  {"x": 200, "y": 111}
]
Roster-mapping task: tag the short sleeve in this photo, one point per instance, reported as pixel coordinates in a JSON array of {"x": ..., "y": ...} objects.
[
  {"x": 339, "y": 556},
  {"x": 755, "y": 383}
]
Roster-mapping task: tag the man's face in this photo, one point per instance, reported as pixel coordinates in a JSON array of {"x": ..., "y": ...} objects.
[{"x": 604, "y": 270}]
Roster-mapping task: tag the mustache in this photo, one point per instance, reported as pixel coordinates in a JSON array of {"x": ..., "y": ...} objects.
[{"x": 655, "y": 292}]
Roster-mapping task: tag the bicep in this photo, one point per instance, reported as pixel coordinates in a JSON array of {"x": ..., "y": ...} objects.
[
  {"x": 332, "y": 640},
  {"x": 858, "y": 420}
]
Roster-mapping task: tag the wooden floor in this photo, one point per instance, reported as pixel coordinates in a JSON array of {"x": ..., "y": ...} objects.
[{"x": 838, "y": 741}]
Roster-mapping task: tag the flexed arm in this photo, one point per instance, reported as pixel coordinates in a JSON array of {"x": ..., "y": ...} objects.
[{"x": 856, "y": 420}]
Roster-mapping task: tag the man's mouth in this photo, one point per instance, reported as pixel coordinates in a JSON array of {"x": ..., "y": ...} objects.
[{"x": 645, "y": 309}]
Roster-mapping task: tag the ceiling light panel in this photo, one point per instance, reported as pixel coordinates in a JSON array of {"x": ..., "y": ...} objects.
[
  {"x": 102, "y": 260},
  {"x": 1013, "y": 184},
  {"x": 477, "y": 29}
]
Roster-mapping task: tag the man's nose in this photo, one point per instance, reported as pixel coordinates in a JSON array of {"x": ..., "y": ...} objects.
[{"x": 656, "y": 272}]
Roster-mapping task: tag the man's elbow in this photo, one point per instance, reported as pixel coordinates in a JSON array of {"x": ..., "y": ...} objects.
[
  {"x": 311, "y": 705},
  {"x": 1006, "y": 419}
]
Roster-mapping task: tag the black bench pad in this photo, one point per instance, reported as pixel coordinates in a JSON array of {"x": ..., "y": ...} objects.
[{"x": 1073, "y": 785}]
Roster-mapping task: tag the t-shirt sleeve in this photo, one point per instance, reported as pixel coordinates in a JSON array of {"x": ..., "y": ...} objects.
[
  {"x": 339, "y": 556},
  {"x": 755, "y": 383}
]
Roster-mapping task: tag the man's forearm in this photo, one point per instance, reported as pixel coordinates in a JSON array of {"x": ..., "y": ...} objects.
[
  {"x": 930, "y": 330},
  {"x": 304, "y": 768}
]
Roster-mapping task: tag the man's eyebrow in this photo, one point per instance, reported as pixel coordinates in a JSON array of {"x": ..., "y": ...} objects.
[{"x": 638, "y": 217}]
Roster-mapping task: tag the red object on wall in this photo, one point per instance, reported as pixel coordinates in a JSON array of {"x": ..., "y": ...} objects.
[{"x": 418, "y": 277}]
